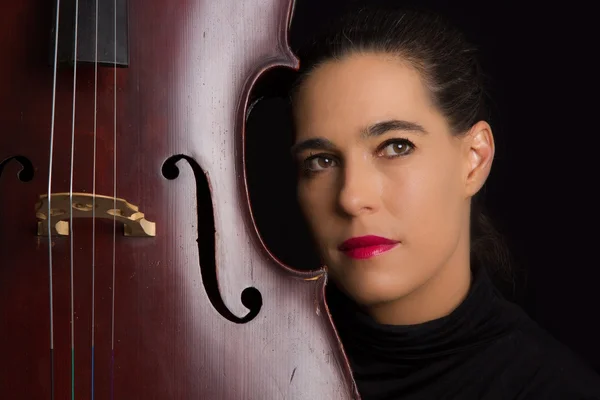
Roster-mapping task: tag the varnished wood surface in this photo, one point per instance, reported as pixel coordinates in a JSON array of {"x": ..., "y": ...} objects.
[{"x": 180, "y": 109}]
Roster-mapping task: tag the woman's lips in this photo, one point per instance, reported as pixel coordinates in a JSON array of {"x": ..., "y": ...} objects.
[{"x": 364, "y": 247}]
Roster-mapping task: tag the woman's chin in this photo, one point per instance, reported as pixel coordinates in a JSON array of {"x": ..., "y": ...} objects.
[{"x": 372, "y": 290}]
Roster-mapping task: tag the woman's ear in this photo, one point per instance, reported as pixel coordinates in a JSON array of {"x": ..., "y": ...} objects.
[{"x": 479, "y": 149}]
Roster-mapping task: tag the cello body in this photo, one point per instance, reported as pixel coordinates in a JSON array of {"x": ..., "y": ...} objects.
[{"x": 130, "y": 262}]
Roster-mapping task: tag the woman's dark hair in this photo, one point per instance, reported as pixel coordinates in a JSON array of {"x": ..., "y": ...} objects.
[{"x": 450, "y": 70}]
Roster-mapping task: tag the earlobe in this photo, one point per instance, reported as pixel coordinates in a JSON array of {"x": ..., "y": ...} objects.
[{"x": 480, "y": 150}]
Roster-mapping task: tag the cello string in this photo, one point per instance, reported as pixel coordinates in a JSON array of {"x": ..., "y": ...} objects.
[
  {"x": 71, "y": 201},
  {"x": 50, "y": 162},
  {"x": 94, "y": 196},
  {"x": 112, "y": 341}
]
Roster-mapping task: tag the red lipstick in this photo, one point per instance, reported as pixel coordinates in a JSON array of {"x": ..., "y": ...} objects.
[{"x": 366, "y": 246}]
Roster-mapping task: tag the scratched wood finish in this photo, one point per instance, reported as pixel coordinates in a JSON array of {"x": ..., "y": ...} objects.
[{"x": 180, "y": 109}]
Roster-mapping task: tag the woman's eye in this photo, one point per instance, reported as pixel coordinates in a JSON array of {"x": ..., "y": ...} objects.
[
  {"x": 319, "y": 163},
  {"x": 396, "y": 148}
]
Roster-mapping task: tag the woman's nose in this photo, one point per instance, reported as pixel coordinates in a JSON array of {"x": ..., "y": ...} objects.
[{"x": 360, "y": 188}]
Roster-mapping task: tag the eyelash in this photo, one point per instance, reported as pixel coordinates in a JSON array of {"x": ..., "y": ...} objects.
[{"x": 380, "y": 149}]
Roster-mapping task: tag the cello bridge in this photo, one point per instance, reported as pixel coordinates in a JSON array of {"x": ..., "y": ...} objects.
[{"x": 82, "y": 205}]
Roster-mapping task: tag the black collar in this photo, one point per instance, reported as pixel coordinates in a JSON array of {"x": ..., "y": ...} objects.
[{"x": 375, "y": 349}]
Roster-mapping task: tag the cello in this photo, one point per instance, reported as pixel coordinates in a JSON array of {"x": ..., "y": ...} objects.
[{"x": 131, "y": 266}]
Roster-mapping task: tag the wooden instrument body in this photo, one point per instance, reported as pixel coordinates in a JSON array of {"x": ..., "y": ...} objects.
[{"x": 179, "y": 329}]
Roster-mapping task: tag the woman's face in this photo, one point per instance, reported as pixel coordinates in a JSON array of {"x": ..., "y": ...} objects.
[{"x": 377, "y": 159}]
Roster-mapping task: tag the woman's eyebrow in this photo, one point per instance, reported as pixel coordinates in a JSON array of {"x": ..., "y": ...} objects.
[
  {"x": 312, "y": 144},
  {"x": 380, "y": 128},
  {"x": 376, "y": 129}
]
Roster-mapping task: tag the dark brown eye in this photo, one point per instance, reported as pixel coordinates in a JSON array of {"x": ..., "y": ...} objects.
[
  {"x": 397, "y": 148},
  {"x": 319, "y": 163}
]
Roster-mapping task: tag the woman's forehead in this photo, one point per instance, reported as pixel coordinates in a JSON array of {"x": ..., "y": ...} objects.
[{"x": 358, "y": 91}]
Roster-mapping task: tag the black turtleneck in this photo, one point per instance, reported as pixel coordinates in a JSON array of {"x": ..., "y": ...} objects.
[{"x": 486, "y": 349}]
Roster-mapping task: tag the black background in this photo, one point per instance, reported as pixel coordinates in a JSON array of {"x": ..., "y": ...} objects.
[{"x": 542, "y": 191}]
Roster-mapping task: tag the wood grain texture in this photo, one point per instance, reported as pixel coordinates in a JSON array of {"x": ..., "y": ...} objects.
[{"x": 180, "y": 330}]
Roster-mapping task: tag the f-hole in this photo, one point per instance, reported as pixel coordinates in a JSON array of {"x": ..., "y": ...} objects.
[
  {"x": 251, "y": 297},
  {"x": 26, "y": 172}
]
